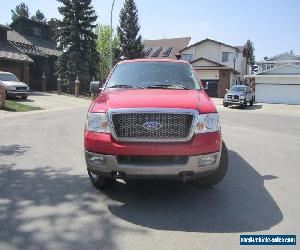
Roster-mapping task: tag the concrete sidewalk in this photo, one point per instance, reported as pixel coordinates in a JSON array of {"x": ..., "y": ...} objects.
[{"x": 268, "y": 108}]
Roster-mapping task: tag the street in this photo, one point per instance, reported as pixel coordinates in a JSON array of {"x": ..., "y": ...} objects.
[{"x": 48, "y": 202}]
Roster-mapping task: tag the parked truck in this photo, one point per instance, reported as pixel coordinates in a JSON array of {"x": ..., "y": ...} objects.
[{"x": 153, "y": 119}]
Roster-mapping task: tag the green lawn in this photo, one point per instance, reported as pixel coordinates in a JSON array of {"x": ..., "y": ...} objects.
[{"x": 15, "y": 106}]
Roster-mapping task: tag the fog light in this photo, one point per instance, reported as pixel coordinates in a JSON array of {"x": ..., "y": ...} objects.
[
  {"x": 207, "y": 160},
  {"x": 97, "y": 160}
]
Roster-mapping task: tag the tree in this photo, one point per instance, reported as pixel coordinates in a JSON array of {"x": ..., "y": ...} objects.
[
  {"x": 20, "y": 10},
  {"x": 53, "y": 26},
  {"x": 39, "y": 16},
  {"x": 76, "y": 37},
  {"x": 128, "y": 31},
  {"x": 103, "y": 33},
  {"x": 249, "y": 53}
]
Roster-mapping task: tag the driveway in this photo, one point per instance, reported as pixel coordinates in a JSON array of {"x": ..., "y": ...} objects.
[
  {"x": 47, "y": 201},
  {"x": 49, "y": 102},
  {"x": 262, "y": 108}
]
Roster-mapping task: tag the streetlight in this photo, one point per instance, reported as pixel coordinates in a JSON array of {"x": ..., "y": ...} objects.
[{"x": 110, "y": 40}]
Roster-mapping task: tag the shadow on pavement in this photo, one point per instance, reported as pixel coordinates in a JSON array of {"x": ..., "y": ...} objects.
[
  {"x": 239, "y": 204},
  {"x": 45, "y": 207},
  {"x": 254, "y": 107},
  {"x": 49, "y": 209},
  {"x": 14, "y": 150}
]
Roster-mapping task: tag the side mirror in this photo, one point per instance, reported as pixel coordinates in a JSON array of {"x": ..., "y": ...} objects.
[{"x": 95, "y": 87}]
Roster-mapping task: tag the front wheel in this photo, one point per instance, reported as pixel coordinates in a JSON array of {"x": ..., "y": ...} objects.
[
  {"x": 225, "y": 104},
  {"x": 24, "y": 97},
  {"x": 251, "y": 102},
  {"x": 100, "y": 182},
  {"x": 219, "y": 174}
]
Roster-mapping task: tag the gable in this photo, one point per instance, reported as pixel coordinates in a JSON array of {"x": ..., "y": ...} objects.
[
  {"x": 212, "y": 43},
  {"x": 202, "y": 62},
  {"x": 287, "y": 69}
]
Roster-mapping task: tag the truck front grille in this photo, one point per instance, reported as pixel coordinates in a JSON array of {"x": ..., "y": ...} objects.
[
  {"x": 161, "y": 126},
  {"x": 21, "y": 88},
  {"x": 232, "y": 96}
]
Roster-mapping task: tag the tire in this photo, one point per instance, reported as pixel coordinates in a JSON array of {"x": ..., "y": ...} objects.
[
  {"x": 244, "y": 105},
  {"x": 225, "y": 104},
  {"x": 24, "y": 97},
  {"x": 100, "y": 182},
  {"x": 218, "y": 175},
  {"x": 251, "y": 102}
]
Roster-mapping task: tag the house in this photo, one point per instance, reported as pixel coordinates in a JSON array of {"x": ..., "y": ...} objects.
[
  {"x": 165, "y": 48},
  {"x": 27, "y": 51},
  {"x": 218, "y": 65},
  {"x": 278, "y": 60},
  {"x": 278, "y": 80}
]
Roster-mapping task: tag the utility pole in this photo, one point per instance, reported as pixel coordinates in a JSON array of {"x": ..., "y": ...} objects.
[{"x": 110, "y": 40}]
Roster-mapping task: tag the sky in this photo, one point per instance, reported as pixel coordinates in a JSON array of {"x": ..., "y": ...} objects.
[{"x": 273, "y": 26}]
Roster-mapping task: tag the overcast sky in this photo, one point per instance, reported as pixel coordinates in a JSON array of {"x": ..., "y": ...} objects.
[{"x": 273, "y": 26}]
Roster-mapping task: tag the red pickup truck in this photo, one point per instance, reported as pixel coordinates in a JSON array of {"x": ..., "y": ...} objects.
[{"x": 153, "y": 119}]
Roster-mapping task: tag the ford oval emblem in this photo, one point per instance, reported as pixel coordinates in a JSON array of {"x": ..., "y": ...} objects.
[{"x": 152, "y": 125}]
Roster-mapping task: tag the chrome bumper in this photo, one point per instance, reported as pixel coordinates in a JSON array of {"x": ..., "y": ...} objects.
[
  {"x": 16, "y": 93},
  {"x": 108, "y": 166},
  {"x": 235, "y": 101}
]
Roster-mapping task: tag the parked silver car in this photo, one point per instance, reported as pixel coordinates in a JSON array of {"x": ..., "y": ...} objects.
[
  {"x": 239, "y": 95},
  {"x": 14, "y": 87}
]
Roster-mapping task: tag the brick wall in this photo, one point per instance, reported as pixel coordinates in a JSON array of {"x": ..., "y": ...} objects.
[
  {"x": 2, "y": 97},
  {"x": 224, "y": 82}
]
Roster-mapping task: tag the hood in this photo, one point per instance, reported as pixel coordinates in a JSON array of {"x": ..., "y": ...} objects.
[
  {"x": 14, "y": 83},
  {"x": 153, "y": 98}
]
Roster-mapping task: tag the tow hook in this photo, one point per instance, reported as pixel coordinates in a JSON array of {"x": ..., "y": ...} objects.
[
  {"x": 186, "y": 176},
  {"x": 118, "y": 175}
]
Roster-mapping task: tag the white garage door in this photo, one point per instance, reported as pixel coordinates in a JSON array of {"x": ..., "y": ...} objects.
[{"x": 271, "y": 93}]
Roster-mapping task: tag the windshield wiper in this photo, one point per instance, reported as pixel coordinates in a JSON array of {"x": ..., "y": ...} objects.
[{"x": 166, "y": 86}]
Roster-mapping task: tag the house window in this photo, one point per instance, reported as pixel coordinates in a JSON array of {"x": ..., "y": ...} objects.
[
  {"x": 156, "y": 52},
  {"x": 147, "y": 51},
  {"x": 187, "y": 57},
  {"x": 227, "y": 56},
  {"x": 166, "y": 51},
  {"x": 267, "y": 66}
]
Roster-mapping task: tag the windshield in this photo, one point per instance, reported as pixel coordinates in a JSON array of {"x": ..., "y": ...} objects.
[
  {"x": 238, "y": 89},
  {"x": 153, "y": 75},
  {"x": 8, "y": 77}
]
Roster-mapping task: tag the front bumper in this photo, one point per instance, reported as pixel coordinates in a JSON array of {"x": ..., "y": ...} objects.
[
  {"x": 17, "y": 93},
  {"x": 110, "y": 167},
  {"x": 234, "y": 101}
]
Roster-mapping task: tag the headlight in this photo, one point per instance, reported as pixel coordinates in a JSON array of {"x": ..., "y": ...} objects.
[
  {"x": 207, "y": 123},
  {"x": 97, "y": 122},
  {"x": 242, "y": 97},
  {"x": 10, "y": 87}
]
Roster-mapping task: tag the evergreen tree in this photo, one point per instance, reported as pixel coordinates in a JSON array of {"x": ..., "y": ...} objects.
[
  {"x": 77, "y": 39},
  {"x": 249, "y": 53},
  {"x": 128, "y": 31},
  {"x": 53, "y": 26},
  {"x": 20, "y": 10},
  {"x": 39, "y": 16}
]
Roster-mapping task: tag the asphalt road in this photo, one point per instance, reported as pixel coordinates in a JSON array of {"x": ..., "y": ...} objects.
[{"x": 47, "y": 201}]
